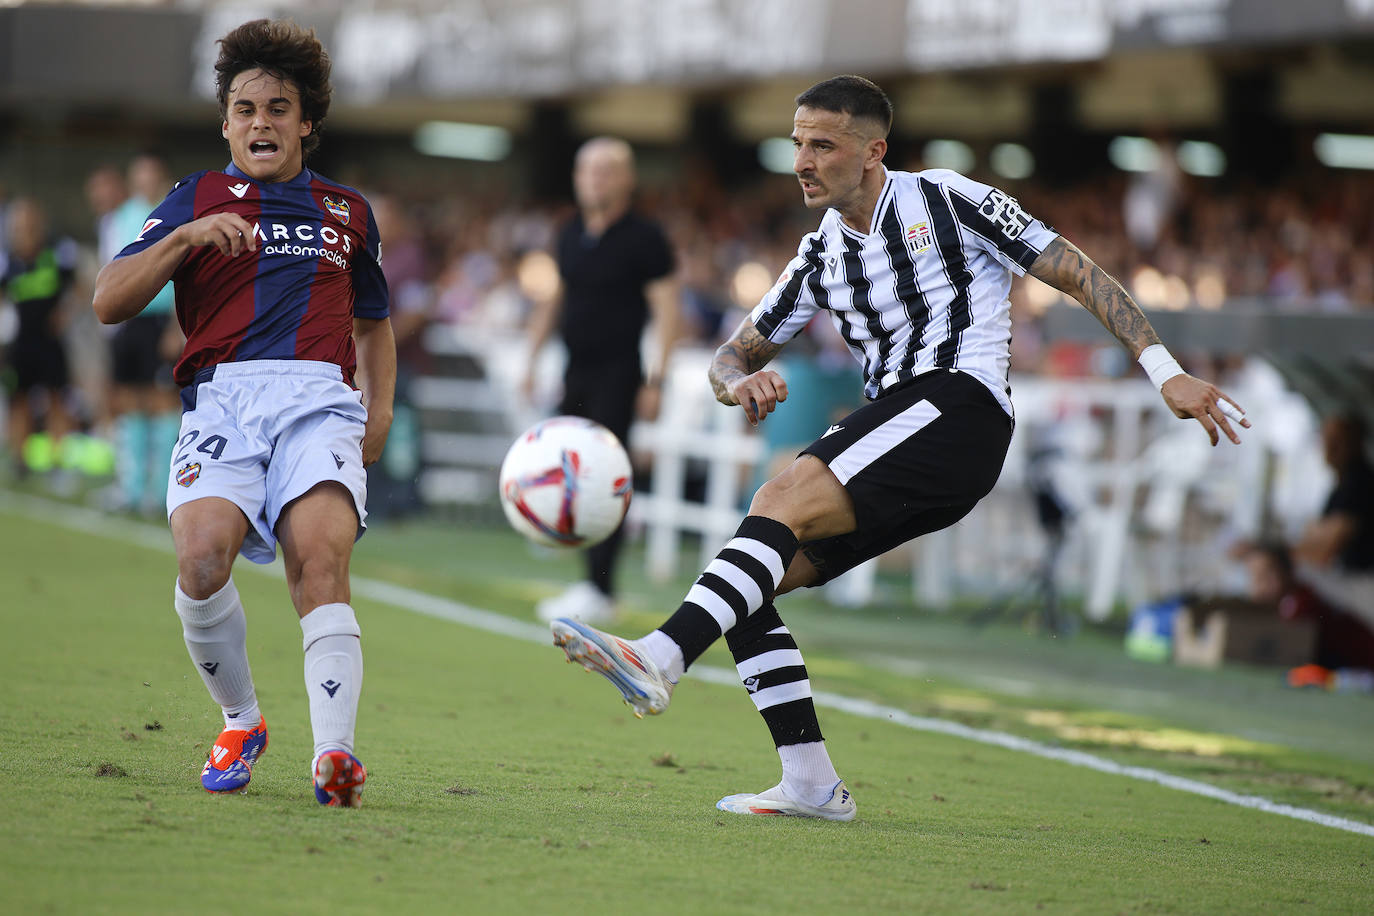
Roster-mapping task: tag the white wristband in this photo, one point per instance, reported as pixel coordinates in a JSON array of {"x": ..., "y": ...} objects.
[{"x": 1159, "y": 365}]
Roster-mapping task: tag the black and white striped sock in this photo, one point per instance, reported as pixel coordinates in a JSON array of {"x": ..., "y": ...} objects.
[
  {"x": 741, "y": 579},
  {"x": 771, "y": 668}
]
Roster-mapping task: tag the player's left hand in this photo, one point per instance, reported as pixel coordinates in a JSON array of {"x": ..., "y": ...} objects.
[
  {"x": 1209, "y": 405},
  {"x": 374, "y": 436}
]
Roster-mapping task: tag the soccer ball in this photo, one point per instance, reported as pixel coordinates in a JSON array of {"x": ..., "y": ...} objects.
[{"x": 566, "y": 482}]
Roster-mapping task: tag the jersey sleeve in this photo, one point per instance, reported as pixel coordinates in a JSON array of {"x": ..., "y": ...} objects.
[
  {"x": 997, "y": 221},
  {"x": 176, "y": 209},
  {"x": 791, "y": 303},
  {"x": 370, "y": 296}
]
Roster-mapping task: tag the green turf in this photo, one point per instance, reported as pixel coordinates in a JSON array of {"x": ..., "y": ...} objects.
[{"x": 505, "y": 781}]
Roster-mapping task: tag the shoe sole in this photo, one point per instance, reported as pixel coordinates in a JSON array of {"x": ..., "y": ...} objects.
[
  {"x": 739, "y": 804},
  {"x": 585, "y": 648}
]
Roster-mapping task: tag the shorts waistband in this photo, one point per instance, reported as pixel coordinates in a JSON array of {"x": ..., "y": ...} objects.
[
  {"x": 260, "y": 368},
  {"x": 249, "y": 368}
]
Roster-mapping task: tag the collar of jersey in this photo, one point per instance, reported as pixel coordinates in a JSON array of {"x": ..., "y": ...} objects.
[
  {"x": 875, "y": 221},
  {"x": 303, "y": 178}
]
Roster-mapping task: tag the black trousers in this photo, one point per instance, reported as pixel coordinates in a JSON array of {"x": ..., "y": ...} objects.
[{"x": 603, "y": 391}]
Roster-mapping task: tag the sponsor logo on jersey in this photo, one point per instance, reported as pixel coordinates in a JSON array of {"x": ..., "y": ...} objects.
[
  {"x": 188, "y": 474},
  {"x": 305, "y": 240},
  {"x": 146, "y": 226},
  {"x": 240, "y": 189},
  {"x": 918, "y": 237},
  {"x": 1005, "y": 213},
  {"x": 337, "y": 207},
  {"x": 832, "y": 261},
  {"x": 833, "y": 429}
]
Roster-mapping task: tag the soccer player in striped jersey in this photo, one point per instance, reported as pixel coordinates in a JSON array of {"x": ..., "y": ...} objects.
[
  {"x": 280, "y": 293},
  {"x": 914, "y": 270}
]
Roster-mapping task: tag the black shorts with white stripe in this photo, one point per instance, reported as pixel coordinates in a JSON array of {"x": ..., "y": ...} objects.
[{"x": 915, "y": 460}]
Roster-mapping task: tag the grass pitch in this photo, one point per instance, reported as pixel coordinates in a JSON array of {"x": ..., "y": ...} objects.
[{"x": 504, "y": 781}]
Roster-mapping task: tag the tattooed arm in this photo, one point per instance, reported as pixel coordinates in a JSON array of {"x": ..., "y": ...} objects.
[
  {"x": 1069, "y": 270},
  {"x": 1064, "y": 267},
  {"x": 738, "y": 377}
]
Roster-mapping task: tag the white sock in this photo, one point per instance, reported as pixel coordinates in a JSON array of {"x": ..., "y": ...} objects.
[
  {"x": 333, "y": 674},
  {"x": 807, "y": 773},
  {"x": 665, "y": 653},
  {"x": 216, "y": 634}
]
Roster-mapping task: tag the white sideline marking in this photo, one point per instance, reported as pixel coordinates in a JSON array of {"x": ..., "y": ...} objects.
[{"x": 154, "y": 537}]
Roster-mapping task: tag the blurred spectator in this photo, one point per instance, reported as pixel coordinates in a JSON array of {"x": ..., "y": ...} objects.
[
  {"x": 1335, "y": 554},
  {"x": 1343, "y": 640},
  {"x": 618, "y": 271},
  {"x": 105, "y": 191},
  {"x": 35, "y": 274},
  {"x": 143, "y": 401}
]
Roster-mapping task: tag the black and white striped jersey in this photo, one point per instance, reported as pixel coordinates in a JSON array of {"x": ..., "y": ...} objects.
[{"x": 926, "y": 288}]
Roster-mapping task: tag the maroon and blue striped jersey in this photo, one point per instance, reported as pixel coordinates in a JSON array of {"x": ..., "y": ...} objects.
[{"x": 317, "y": 267}]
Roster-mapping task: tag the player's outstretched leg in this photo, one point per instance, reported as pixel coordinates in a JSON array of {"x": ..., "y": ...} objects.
[
  {"x": 771, "y": 668},
  {"x": 216, "y": 633},
  {"x": 333, "y": 681},
  {"x": 645, "y": 685},
  {"x": 737, "y": 582}
]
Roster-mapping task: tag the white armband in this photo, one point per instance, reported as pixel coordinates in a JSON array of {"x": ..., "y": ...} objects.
[{"x": 1159, "y": 365}]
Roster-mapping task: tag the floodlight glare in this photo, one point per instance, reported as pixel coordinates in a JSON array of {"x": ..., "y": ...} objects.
[
  {"x": 1344, "y": 151},
  {"x": 776, "y": 155},
  {"x": 1012, "y": 160},
  {"x": 1198, "y": 157},
  {"x": 455, "y": 140},
  {"x": 948, "y": 154},
  {"x": 1133, "y": 154}
]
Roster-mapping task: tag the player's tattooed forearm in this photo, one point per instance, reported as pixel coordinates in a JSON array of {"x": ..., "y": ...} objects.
[
  {"x": 746, "y": 352},
  {"x": 1119, "y": 314},
  {"x": 1064, "y": 267}
]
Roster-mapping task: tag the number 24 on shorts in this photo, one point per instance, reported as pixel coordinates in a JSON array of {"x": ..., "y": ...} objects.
[{"x": 212, "y": 446}]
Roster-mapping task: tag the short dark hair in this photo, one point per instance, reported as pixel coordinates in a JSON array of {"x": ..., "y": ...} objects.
[
  {"x": 288, "y": 52},
  {"x": 851, "y": 95}
]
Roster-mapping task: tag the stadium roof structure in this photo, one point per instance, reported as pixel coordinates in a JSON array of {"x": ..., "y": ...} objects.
[{"x": 541, "y": 48}]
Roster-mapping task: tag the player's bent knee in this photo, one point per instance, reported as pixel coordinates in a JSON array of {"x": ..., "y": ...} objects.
[{"x": 807, "y": 498}]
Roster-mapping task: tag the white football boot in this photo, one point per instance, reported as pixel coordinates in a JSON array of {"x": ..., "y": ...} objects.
[
  {"x": 640, "y": 681},
  {"x": 774, "y": 802}
]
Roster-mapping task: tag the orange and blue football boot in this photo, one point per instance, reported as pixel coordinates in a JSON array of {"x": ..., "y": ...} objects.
[
  {"x": 339, "y": 778},
  {"x": 230, "y": 764}
]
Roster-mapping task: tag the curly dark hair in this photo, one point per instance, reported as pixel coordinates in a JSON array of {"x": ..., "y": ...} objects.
[
  {"x": 286, "y": 51},
  {"x": 852, "y": 95}
]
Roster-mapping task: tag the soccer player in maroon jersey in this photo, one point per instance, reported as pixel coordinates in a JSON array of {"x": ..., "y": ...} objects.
[{"x": 282, "y": 299}]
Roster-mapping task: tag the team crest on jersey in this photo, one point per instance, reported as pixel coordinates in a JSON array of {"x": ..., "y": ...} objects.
[
  {"x": 918, "y": 237},
  {"x": 337, "y": 207},
  {"x": 188, "y": 474}
]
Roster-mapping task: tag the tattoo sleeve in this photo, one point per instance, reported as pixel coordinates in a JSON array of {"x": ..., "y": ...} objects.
[
  {"x": 746, "y": 352},
  {"x": 1064, "y": 267}
]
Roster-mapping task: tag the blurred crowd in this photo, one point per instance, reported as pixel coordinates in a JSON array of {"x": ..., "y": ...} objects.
[
  {"x": 1176, "y": 243},
  {"x": 480, "y": 260}
]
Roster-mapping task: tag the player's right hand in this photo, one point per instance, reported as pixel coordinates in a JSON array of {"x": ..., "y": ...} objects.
[
  {"x": 228, "y": 232},
  {"x": 759, "y": 394}
]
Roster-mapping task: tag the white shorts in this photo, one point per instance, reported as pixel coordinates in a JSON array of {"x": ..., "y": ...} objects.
[{"x": 261, "y": 433}]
